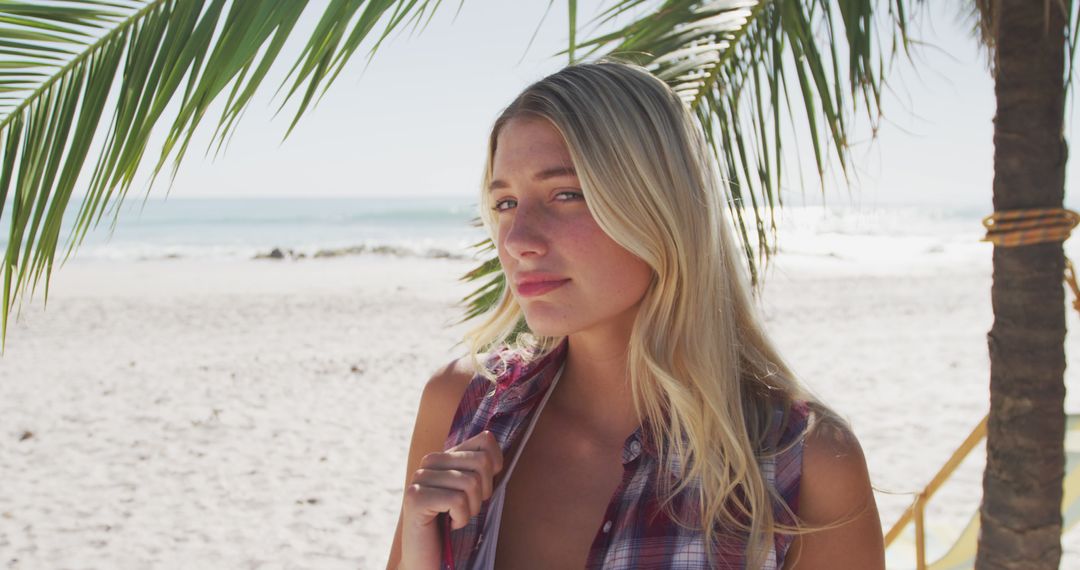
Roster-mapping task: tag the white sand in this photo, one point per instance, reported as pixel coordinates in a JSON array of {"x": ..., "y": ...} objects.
[{"x": 196, "y": 414}]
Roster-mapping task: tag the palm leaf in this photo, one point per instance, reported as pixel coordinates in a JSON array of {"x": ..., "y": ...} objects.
[
  {"x": 62, "y": 63},
  {"x": 731, "y": 62}
]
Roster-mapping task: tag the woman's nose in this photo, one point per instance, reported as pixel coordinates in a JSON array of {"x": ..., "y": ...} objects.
[{"x": 526, "y": 235}]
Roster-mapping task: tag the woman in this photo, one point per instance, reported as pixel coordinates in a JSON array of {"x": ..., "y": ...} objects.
[{"x": 643, "y": 420}]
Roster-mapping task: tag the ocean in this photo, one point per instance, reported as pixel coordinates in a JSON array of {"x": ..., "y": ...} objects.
[
  {"x": 246, "y": 228},
  {"x": 841, "y": 238}
]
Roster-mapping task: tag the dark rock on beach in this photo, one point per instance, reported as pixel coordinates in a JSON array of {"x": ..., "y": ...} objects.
[{"x": 391, "y": 250}]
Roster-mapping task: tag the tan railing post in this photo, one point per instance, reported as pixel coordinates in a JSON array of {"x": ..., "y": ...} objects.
[
  {"x": 920, "y": 532},
  {"x": 918, "y": 506}
]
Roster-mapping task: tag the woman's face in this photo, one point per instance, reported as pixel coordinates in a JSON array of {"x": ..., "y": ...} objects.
[{"x": 567, "y": 275}]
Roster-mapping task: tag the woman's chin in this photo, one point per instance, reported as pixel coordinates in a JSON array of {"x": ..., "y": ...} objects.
[
  {"x": 548, "y": 331},
  {"x": 547, "y": 327}
]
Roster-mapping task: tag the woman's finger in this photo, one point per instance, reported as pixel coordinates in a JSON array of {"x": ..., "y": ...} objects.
[
  {"x": 485, "y": 442},
  {"x": 429, "y": 502},
  {"x": 480, "y": 462},
  {"x": 468, "y": 482}
]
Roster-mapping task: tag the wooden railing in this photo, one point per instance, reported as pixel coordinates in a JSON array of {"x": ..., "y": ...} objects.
[{"x": 917, "y": 509}]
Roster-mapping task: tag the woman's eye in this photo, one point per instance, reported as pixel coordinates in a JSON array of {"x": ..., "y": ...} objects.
[
  {"x": 570, "y": 195},
  {"x": 504, "y": 204}
]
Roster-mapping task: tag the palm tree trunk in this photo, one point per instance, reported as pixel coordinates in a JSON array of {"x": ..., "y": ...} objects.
[{"x": 1021, "y": 508}]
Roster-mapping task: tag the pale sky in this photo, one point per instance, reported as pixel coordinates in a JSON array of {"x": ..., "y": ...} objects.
[{"x": 415, "y": 122}]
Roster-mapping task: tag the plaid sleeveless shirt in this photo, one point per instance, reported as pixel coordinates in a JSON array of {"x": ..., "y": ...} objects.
[{"x": 636, "y": 532}]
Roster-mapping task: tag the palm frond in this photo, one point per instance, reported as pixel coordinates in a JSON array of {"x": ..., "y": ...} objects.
[
  {"x": 62, "y": 62},
  {"x": 731, "y": 61}
]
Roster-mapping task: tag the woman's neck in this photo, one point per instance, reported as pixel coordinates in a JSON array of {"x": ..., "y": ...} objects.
[{"x": 595, "y": 386}]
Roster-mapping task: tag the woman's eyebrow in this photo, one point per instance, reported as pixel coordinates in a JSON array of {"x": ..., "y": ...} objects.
[{"x": 555, "y": 172}]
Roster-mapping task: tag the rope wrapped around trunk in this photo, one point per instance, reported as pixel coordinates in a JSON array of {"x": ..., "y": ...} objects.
[{"x": 1015, "y": 228}]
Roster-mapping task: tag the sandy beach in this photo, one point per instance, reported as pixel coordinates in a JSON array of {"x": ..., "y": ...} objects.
[{"x": 256, "y": 414}]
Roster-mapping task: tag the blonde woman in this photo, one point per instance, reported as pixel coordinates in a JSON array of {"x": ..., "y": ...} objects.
[{"x": 644, "y": 420}]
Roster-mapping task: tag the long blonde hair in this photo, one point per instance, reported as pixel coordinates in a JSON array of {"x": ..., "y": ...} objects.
[{"x": 704, "y": 376}]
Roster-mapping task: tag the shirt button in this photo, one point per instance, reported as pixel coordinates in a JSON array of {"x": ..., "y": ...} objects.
[
  {"x": 635, "y": 446},
  {"x": 607, "y": 526}
]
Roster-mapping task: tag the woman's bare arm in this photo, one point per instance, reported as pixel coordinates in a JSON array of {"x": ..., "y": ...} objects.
[
  {"x": 438, "y": 403},
  {"x": 835, "y": 487}
]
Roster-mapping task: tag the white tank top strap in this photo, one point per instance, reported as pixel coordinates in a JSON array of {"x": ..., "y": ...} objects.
[{"x": 489, "y": 540}]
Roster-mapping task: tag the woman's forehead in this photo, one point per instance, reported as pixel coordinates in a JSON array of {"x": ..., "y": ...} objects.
[
  {"x": 529, "y": 131},
  {"x": 530, "y": 144}
]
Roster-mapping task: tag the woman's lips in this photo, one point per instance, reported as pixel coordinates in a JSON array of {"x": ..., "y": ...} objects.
[{"x": 539, "y": 287}]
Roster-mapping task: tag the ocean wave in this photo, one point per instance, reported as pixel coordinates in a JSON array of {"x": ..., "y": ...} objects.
[{"x": 278, "y": 253}]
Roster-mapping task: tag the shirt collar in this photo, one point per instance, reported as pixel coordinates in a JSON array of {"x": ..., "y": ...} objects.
[
  {"x": 523, "y": 380},
  {"x": 643, "y": 440}
]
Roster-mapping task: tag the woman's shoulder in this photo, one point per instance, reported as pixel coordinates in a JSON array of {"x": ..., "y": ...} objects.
[
  {"x": 819, "y": 441},
  {"x": 828, "y": 441},
  {"x": 440, "y": 399},
  {"x": 450, "y": 382},
  {"x": 458, "y": 392},
  {"x": 834, "y": 466},
  {"x": 835, "y": 489}
]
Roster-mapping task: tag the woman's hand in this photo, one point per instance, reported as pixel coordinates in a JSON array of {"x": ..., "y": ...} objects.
[{"x": 456, "y": 481}]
